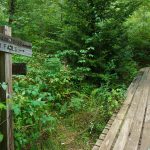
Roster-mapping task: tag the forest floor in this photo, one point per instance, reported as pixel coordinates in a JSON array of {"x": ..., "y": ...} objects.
[{"x": 75, "y": 135}]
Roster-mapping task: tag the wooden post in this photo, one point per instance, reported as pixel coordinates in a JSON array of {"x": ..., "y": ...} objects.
[{"x": 6, "y": 120}]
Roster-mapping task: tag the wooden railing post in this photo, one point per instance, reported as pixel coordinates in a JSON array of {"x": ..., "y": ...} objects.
[{"x": 6, "y": 120}]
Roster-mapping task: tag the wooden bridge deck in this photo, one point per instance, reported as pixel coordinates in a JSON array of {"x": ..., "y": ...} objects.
[{"x": 129, "y": 129}]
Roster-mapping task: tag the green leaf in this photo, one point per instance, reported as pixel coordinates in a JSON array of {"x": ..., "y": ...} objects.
[
  {"x": 4, "y": 85},
  {"x": 1, "y": 137},
  {"x": 2, "y": 106}
]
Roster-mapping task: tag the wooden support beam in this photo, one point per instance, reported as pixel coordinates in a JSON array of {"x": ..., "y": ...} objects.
[{"x": 6, "y": 120}]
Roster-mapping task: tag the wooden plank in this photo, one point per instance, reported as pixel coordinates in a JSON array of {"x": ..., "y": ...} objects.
[
  {"x": 110, "y": 138},
  {"x": 105, "y": 131},
  {"x": 125, "y": 130},
  {"x": 102, "y": 136},
  {"x": 98, "y": 143},
  {"x": 111, "y": 120},
  {"x": 145, "y": 141},
  {"x": 14, "y": 49},
  {"x": 19, "y": 69},
  {"x": 6, "y": 116},
  {"x": 95, "y": 148},
  {"x": 134, "y": 138}
]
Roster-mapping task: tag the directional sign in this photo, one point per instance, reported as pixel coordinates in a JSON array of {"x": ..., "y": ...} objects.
[{"x": 15, "y": 46}]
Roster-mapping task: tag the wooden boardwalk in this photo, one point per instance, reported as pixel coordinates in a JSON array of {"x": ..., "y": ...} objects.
[{"x": 129, "y": 129}]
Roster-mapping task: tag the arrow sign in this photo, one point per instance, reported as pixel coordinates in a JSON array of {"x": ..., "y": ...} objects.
[{"x": 15, "y": 46}]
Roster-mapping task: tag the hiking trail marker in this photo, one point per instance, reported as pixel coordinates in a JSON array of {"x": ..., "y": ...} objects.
[{"x": 9, "y": 46}]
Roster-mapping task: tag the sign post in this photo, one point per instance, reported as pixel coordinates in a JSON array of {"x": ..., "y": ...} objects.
[{"x": 8, "y": 46}]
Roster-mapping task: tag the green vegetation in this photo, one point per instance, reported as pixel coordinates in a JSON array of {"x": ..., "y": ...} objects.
[{"x": 85, "y": 54}]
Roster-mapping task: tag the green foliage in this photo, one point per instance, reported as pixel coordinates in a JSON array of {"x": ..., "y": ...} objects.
[
  {"x": 108, "y": 99},
  {"x": 38, "y": 22},
  {"x": 33, "y": 122},
  {"x": 3, "y": 13},
  {"x": 105, "y": 101},
  {"x": 99, "y": 39},
  {"x": 54, "y": 91},
  {"x": 76, "y": 103},
  {"x": 3, "y": 85},
  {"x": 2, "y": 106},
  {"x": 85, "y": 53},
  {"x": 1, "y": 137},
  {"x": 34, "y": 103},
  {"x": 139, "y": 33}
]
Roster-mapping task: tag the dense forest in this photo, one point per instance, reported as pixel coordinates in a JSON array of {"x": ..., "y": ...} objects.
[{"x": 85, "y": 54}]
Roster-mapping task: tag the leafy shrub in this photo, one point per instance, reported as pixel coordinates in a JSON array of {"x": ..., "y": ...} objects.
[
  {"x": 76, "y": 103},
  {"x": 2, "y": 107},
  {"x": 45, "y": 91},
  {"x": 33, "y": 122},
  {"x": 106, "y": 101}
]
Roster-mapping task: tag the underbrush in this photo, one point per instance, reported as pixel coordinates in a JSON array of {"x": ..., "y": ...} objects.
[{"x": 53, "y": 111}]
